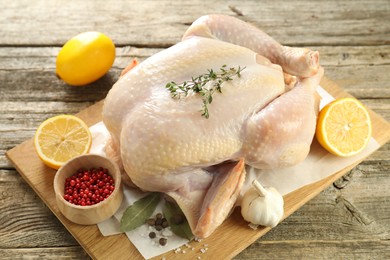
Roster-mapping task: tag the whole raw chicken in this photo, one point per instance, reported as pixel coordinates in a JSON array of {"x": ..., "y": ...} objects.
[{"x": 265, "y": 117}]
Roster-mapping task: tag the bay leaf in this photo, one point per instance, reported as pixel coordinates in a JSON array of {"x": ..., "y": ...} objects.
[
  {"x": 183, "y": 229},
  {"x": 136, "y": 214}
]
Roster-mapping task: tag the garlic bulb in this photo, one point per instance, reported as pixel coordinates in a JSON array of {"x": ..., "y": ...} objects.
[{"x": 262, "y": 206}]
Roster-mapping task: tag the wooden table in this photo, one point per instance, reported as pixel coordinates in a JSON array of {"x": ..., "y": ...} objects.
[{"x": 348, "y": 220}]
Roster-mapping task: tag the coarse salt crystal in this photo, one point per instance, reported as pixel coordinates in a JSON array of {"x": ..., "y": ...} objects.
[
  {"x": 203, "y": 250},
  {"x": 166, "y": 233},
  {"x": 197, "y": 239}
]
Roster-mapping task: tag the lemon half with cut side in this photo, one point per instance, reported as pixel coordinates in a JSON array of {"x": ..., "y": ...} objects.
[
  {"x": 344, "y": 127},
  {"x": 61, "y": 138}
]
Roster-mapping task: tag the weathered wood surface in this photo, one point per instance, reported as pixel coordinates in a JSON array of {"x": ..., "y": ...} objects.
[
  {"x": 161, "y": 23},
  {"x": 348, "y": 220}
]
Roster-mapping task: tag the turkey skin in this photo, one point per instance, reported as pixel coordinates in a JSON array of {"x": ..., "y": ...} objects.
[{"x": 264, "y": 117}]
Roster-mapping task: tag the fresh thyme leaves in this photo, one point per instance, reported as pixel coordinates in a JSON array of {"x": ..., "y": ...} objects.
[{"x": 198, "y": 85}]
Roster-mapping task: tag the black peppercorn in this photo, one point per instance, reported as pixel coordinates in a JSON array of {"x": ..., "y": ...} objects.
[
  {"x": 162, "y": 241},
  {"x": 164, "y": 224},
  {"x": 151, "y": 222},
  {"x": 158, "y": 221}
]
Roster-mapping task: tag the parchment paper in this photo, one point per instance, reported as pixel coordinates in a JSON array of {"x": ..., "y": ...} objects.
[
  {"x": 147, "y": 247},
  {"x": 318, "y": 165}
]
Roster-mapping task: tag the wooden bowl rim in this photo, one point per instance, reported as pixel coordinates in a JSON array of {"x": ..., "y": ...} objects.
[{"x": 116, "y": 175}]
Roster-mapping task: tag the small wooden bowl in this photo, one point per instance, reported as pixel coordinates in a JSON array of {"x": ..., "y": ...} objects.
[{"x": 88, "y": 215}]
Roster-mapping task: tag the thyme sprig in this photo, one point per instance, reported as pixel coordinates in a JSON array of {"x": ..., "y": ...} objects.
[{"x": 198, "y": 85}]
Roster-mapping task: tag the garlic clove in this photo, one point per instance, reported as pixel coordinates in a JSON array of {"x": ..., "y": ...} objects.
[{"x": 262, "y": 206}]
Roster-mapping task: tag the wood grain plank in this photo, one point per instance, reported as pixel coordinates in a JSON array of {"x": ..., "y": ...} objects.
[
  {"x": 261, "y": 250},
  {"x": 73, "y": 252},
  {"x": 25, "y": 220},
  {"x": 362, "y": 72},
  {"x": 43, "y": 58},
  {"x": 161, "y": 23},
  {"x": 355, "y": 249},
  {"x": 319, "y": 219},
  {"x": 28, "y": 74},
  {"x": 344, "y": 211}
]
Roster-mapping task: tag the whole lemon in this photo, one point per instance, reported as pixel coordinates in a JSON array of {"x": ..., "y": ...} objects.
[{"x": 85, "y": 58}]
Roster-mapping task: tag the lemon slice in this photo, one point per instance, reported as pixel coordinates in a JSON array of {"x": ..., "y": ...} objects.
[
  {"x": 61, "y": 138},
  {"x": 344, "y": 127}
]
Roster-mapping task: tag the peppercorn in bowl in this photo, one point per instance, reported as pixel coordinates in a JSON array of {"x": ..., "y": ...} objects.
[{"x": 88, "y": 189}]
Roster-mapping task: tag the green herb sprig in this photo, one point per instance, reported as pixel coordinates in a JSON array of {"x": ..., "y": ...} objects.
[
  {"x": 136, "y": 214},
  {"x": 198, "y": 85}
]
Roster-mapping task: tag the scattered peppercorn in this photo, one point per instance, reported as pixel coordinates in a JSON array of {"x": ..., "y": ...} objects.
[
  {"x": 158, "y": 221},
  {"x": 151, "y": 222},
  {"x": 160, "y": 224},
  {"x": 164, "y": 224},
  {"x": 88, "y": 187},
  {"x": 163, "y": 241}
]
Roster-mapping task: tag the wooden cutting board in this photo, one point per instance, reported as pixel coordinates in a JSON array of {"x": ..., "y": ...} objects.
[{"x": 228, "y": 240}]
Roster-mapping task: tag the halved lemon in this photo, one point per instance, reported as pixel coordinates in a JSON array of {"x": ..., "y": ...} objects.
[
  {"x": 61, "y": 138},
  {"x": 344, "y": 127}
]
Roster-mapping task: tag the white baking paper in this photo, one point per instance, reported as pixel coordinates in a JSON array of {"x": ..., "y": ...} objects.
[
  {"x": 318, "y": 165},
  {"x": 147, "y": 247}
]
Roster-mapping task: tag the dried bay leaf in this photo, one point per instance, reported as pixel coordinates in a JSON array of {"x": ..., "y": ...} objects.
[
  {"x": 172, "y": 210},
  {"x": 136, "y": 214}
]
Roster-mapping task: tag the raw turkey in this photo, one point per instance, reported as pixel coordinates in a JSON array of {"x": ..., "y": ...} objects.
[{"x": 265, "y": 117}]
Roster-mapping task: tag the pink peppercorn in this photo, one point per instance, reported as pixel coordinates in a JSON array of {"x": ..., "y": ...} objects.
[{"x": 88, "y": 187}]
